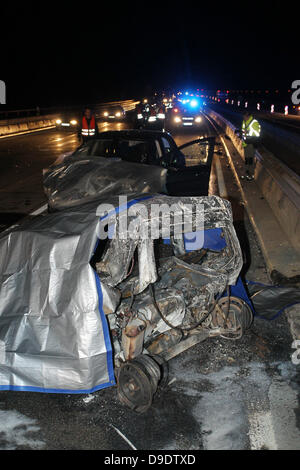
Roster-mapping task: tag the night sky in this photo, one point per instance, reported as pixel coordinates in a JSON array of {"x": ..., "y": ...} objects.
[{"x": 87, "y": 52}]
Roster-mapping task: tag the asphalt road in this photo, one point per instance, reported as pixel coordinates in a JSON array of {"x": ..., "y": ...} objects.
[{"x": 221, "y": 394}]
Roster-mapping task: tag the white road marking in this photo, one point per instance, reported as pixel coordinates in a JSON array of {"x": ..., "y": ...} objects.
[
  {"x": 220, "y": 178},
  {"x": 124, "y": 437},
  {"x": 225, "y": 146}
]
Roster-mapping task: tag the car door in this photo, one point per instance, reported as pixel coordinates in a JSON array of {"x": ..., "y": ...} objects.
[{"x": 193, "y": 179}]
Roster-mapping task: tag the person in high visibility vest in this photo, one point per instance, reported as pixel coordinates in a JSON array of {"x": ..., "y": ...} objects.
[
  {"x": 89, "y": 128},
  {"x": 139, "y": 115},
  {"x": 251, "y": 130}
]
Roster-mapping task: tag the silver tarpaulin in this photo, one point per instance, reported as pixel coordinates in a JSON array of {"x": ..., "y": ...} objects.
[{"x": 53, "y": 332}]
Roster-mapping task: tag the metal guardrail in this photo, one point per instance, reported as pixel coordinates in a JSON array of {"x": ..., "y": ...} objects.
[
  {"x": 33, "y": 112},
  {"x": 37, "y": 111},
  {"x": 279, "y": 185}
]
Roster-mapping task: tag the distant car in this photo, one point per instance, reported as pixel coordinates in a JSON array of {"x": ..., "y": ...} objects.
[
  {"x": 112, "y": 113},
  {"x": 185, "y": 115},
  {"x": 123, "y": 162},
  {"x": 67, "y": 122}
]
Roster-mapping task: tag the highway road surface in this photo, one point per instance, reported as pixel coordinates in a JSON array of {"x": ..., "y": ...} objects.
[{"x": 221, "y": 394}]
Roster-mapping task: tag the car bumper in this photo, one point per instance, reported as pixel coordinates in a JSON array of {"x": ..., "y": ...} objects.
[
  {"x": 186, "y": 125},
  {"x": 112, "y": 118},
  {"x": 66, "y": 126}
]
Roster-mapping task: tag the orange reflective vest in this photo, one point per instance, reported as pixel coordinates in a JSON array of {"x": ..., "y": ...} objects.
[{"x": 88, "y": 130}]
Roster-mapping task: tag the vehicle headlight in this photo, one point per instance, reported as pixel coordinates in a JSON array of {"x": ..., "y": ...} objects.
[
  {"x": 73, "y": 122},
  {"x": 177, "y": 119},
  {"x": 118, "y": 114},
  {"x": 198, "y": 119},
  {"x": 105, "y": 113},
  {"x": 58, "y": 121}
]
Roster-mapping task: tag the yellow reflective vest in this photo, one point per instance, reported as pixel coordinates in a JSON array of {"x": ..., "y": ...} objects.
[{"x": 250, "y": 128}]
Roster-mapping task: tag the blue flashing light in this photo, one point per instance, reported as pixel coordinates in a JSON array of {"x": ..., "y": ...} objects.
[{"x": 194, "y": 103}]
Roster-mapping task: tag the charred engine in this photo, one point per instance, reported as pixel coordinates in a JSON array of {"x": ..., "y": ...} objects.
[{"x": 162, "y": 294}]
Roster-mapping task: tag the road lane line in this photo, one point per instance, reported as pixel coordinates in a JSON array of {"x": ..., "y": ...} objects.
[
  {"x": 221, "y": 181},
  {"x": 124, "y": 437},
  {"x": 220, "y": 176}
]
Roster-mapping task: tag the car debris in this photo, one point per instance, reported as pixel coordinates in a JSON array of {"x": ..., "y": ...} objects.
[{"x": 79, "y": 313}]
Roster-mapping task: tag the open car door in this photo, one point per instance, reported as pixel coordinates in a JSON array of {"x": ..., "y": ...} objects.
[{"x": 193, "y": 179}]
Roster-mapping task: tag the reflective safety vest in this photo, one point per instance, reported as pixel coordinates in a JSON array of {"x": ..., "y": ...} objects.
[
  {"x": 250, "y": 128},
  {"x": 86, "y": 130},
  {"x": 161, "y": 113},
  {"x": 139, "y": 110},
  {"x": 152, "y": 116}
]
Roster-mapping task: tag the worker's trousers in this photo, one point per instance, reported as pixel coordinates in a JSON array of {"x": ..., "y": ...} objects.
[{"x": 249, "y": 152}]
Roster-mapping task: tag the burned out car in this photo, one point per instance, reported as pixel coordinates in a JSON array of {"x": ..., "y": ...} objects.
[
  {"x": 130, "y": 162},
  {"x": 107, "y": 293}
]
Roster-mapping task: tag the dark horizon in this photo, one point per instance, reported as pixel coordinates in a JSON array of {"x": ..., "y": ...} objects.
[{"x": 78, "y": 59}]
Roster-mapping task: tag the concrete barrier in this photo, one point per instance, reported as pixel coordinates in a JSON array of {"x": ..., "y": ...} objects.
[
  {"x": 23, "y": 125},
  {"x": 279, "y": 185}
]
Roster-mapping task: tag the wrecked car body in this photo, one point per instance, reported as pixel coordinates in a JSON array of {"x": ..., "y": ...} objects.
[
  {"x": 79, "y": 310},
  {"x": 129, "y": 162}
]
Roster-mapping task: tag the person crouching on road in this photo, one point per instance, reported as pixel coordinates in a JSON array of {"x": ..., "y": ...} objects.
[
  {"x": 89, "y": 128},
  {"x": 250, "y": 135}
]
